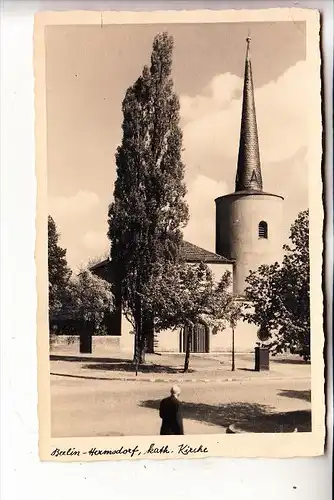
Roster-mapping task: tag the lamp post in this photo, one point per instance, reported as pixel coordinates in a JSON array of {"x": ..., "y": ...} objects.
[
  {"x": 235, "y": 314},
  {"x": 233, "y": 363}
]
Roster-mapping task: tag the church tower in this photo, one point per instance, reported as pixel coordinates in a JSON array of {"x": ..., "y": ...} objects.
[{"x": 249, "y": 221}]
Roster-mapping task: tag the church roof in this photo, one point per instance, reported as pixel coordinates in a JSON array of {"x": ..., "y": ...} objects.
[
  {"x": 99, "y": 265},
  {"x": 249, "y": 175},
  {"x": 190, "y": 253}
]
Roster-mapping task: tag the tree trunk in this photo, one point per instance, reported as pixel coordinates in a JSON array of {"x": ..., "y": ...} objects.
[
  {"x": 139, "y": 350},
  {"x": 142, "y": 348},
  {"x": 148, "y": 332},
  {"x": 135, "y": 347},
  {"x": 136, "y": 357},
  {"x": 188, "y": 345},
  {"x": 140, "y": 344}
]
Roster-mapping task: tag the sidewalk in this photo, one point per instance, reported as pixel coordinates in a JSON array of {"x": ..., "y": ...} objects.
[{"x": 204, "y": 368}]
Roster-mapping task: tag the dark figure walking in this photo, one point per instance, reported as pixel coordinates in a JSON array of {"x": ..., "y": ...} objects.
[{"x": 170, "y": 413}]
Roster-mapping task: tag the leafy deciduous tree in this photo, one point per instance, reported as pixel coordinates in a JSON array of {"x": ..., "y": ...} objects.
[
  {"x": 279, "y": 295},
  {"x": 91, "y": 298},
  {"x": 185, "y": 294}
]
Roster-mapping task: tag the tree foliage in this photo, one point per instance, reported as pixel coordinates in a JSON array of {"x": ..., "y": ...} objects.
[
  {"x": 58, "y": 269},
  {"x": 279, "y": 294},
  {"x": 91, "y": 298},
  {"x": 149, "y": 211},
  {"x": 185, "y": 294},
  {"x": 73, "y": 299}
]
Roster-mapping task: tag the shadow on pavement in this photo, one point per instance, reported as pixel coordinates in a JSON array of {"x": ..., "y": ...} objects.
[
  {"x": 287, "y": 361},
  {"x": 247, "y": 417},
  {"x": 117, "y": 364},
  {"x": 82, "y": 359},
  {"x": 303, "y": 395},
  {"x": 129, "y": 367}
]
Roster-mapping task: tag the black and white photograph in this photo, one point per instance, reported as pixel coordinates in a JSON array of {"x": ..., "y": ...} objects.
[{"x": 179, "y": 234}]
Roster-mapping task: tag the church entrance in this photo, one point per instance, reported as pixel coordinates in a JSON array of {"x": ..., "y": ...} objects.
[{"x": 199, "y": 338}]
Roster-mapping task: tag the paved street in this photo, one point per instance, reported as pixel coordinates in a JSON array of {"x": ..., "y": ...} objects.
[{"x": 88, "y": 400}]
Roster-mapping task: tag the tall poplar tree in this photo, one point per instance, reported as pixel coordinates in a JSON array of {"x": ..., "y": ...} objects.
[{"x": 149, "y": 210}]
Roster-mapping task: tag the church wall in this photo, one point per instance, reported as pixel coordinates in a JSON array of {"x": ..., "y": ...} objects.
[
  {"x": 127, "y": 335},
  {"x": 169, "y": 340},
  {"x": 237, "y": 232},
  {"x": 245, "y": 338}
]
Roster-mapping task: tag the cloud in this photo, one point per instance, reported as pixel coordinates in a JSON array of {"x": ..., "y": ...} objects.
[
  {"x": 201, "y": 194},
  {"x": 218, "y": 94},
  {"x": 212, "y": 120},
  {"x": 68, "y": 206},
  {"x": 96, "y": 241},
  {"x": 81, "y": 249}
]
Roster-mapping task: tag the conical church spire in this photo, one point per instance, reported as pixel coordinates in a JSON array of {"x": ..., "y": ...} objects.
[{"x": 249, "y": 167}]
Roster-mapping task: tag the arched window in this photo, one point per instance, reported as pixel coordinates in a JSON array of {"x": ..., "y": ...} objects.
[{"x": 263, "y": 230}]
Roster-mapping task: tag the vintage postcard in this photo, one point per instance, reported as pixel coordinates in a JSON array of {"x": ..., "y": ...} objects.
[{"x": 179, "y": 234}]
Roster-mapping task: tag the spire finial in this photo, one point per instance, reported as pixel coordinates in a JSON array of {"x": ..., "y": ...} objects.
[
  {"x": 249, "y": 168},
  {"x": 248, "y": 40}
]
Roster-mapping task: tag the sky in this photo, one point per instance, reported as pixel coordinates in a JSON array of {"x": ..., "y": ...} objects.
[{"x": 89, "y": 68}]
